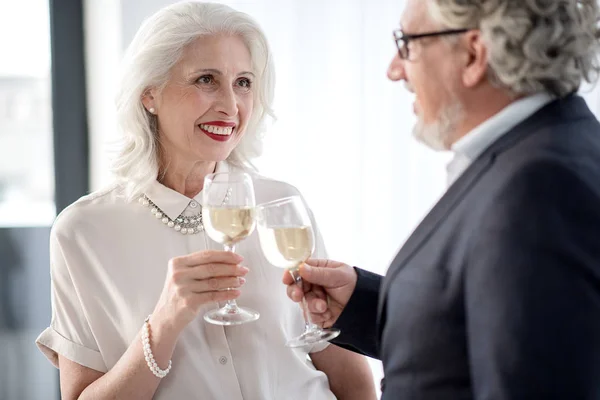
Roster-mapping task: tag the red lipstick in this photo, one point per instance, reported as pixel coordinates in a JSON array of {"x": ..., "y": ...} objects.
[{"x": 223, "y": 124}]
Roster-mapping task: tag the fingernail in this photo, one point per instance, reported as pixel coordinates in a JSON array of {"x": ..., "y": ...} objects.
[
  {"x": 321, "y": 307},
  {"x": 242, "y": 281},
  {"x": 244, "y": 269}
]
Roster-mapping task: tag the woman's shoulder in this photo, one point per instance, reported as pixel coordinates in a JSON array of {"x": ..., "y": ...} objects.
[
  {"x": 268, "y": 189},
  {"x": 89, "y": 209}
]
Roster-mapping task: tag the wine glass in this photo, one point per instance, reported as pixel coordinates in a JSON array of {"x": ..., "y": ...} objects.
[
  {"x": 287, "y": 240},
  {"x": 228, "y": 216}
]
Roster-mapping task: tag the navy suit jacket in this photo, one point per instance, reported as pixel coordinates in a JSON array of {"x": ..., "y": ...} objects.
[{"x": 496, "y": 295}]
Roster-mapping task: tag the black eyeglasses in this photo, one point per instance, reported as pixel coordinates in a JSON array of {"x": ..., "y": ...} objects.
[{"x": 402, "y": 39}]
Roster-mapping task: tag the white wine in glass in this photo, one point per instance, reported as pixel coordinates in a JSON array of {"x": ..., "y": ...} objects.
[
  {"x": 287, "y": 239},
  {"x": 287, "y": 247},
  {"x": 228, "y": 225},
  {"x": 228, "y": 216}
]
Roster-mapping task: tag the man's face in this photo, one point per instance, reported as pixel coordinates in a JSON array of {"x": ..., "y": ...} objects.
[{"x": 431, "y": 72}]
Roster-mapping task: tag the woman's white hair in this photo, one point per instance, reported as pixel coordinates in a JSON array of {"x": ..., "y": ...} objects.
[
  {"x": 533, "y": 45},
  {"x": 156, "y": 48}
]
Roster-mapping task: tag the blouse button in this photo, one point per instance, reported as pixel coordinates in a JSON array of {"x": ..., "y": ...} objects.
[
  {"x": 193, "y": 204},
  {"x": 223, "y": 360}
]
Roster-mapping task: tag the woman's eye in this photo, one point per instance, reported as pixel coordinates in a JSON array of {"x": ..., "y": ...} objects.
[
  {"x": 245, "y": 83},
  {"x": 205, "y": 79}
]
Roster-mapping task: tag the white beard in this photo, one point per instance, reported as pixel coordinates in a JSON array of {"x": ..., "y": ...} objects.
[{"x": 437, "y": 135}]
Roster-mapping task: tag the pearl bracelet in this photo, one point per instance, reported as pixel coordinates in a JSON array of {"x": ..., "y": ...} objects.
[{"x": 160, "y": 373}]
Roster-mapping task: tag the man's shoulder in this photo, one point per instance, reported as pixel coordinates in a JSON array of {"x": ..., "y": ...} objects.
[
  {"x": 544, "y": 184},
  {"x": 564, "y": 135}
]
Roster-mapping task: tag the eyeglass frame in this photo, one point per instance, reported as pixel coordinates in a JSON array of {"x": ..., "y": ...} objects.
[{"x": 400, "y": 36}]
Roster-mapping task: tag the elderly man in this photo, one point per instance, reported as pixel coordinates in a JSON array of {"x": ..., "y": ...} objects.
[{"x": 496, "y": 295}]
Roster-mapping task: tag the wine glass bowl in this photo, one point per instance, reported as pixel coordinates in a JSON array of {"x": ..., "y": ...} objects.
[
  {"x": 228, "y": 215},
  {"x": 287, "y": 240}
]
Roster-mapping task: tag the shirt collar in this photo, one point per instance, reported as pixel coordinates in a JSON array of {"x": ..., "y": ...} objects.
[
  {"x": 469, "y": 147},
  {"x": 481, "y": 137},
  {"x": 172, "y": 202}
]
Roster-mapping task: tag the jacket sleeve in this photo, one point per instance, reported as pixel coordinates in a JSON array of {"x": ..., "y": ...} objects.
[{"x": 358, "y": 322}]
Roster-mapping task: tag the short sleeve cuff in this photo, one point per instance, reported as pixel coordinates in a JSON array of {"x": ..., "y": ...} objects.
[{"x": 52, "y": 343}]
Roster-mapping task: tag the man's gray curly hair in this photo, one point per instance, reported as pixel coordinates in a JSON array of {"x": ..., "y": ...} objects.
[{"x": 533, "y": 45}]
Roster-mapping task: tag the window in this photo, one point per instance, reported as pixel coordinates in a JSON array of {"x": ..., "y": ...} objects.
[{"x": 26, "y": 163}]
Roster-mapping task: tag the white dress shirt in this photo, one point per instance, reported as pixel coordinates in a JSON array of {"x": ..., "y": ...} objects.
[
  {"x": 108, "y": 267},
  {"x": 469, "y": 147}
]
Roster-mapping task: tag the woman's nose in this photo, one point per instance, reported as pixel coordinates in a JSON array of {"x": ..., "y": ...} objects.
[{"x": 226, "y": 102}]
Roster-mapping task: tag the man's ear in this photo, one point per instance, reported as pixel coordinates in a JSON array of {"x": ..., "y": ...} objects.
[{"x": 475, "y": 71}]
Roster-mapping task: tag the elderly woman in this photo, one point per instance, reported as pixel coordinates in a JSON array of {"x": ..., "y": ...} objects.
[{"x": 198, "y": 84}]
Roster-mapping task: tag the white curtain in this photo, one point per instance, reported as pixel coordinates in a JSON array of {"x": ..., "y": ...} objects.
[{"x": 343, "y": 133}]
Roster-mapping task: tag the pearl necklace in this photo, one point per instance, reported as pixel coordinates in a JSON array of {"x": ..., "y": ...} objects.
[{"x": 184, "y": 224}]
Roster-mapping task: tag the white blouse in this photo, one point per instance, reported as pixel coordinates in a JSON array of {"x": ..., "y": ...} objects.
[{"x": 108, "y": 266}]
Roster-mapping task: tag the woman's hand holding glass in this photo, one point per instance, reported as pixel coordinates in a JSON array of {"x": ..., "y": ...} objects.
[{"x": 196, "y": 279}]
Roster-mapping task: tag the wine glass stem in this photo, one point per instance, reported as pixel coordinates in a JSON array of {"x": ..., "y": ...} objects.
[
  {"x": 309, "y": 325},
  {"x": 230, "y": 305}
]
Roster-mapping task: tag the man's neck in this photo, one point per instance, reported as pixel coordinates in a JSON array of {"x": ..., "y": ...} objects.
[{"x": 481, "y": 107}]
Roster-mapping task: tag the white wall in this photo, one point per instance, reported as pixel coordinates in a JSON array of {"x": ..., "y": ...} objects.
[{"x": 103, "y": 42}]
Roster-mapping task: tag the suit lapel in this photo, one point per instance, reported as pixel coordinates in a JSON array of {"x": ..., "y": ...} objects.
[{"x": 435, "y": 217}]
